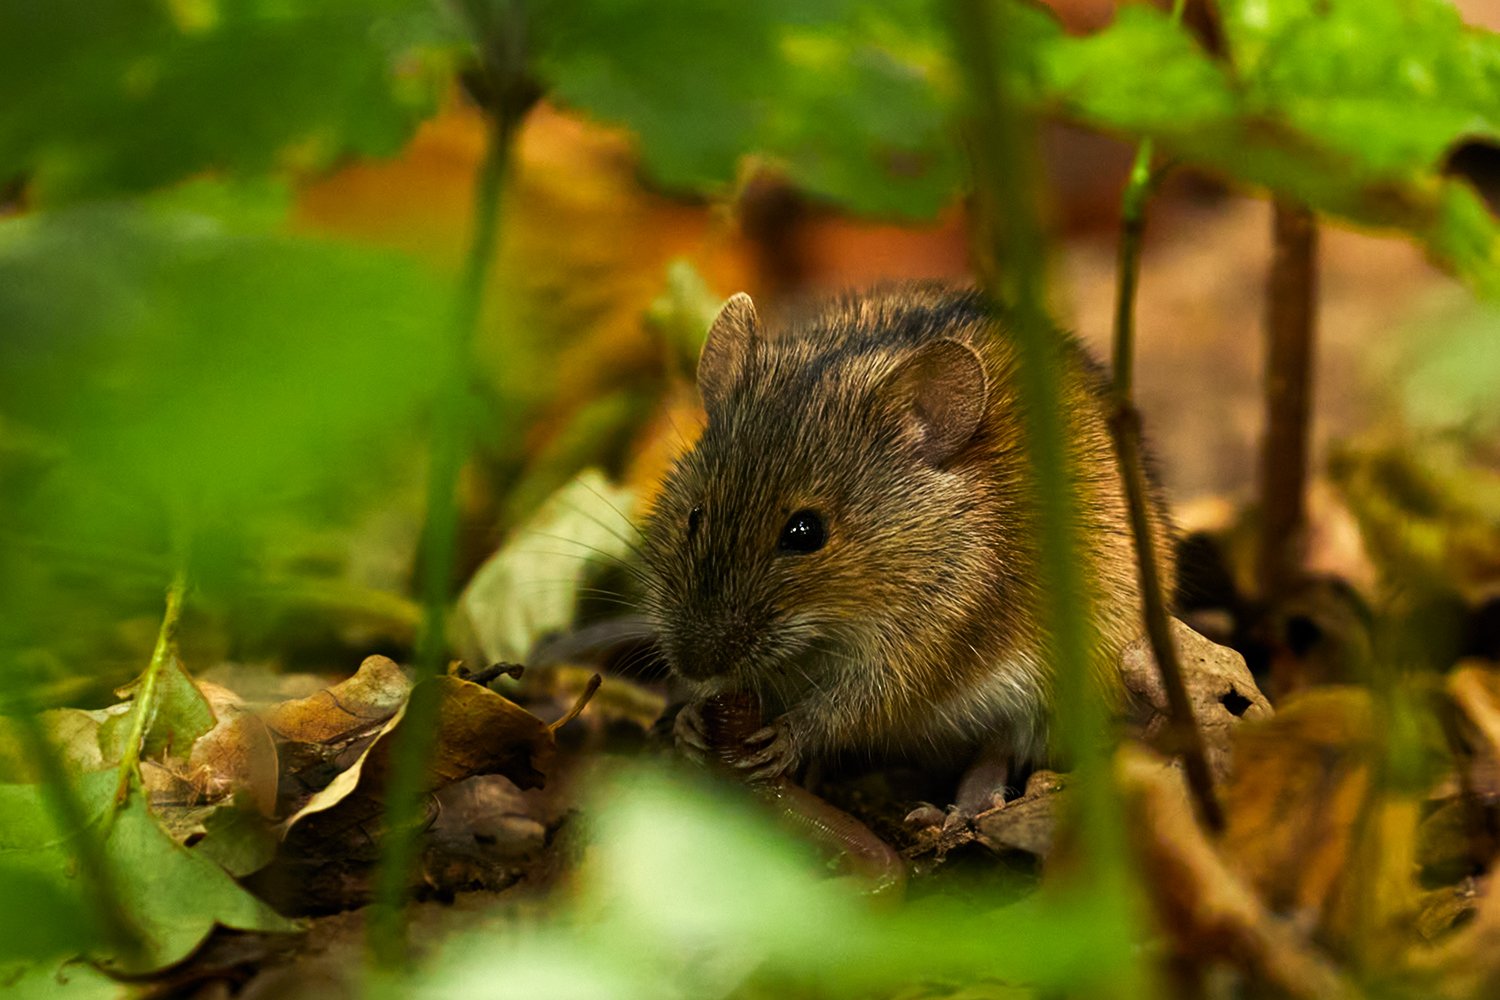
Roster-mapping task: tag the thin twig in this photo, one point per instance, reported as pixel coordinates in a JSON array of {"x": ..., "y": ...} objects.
[
  {"x": 1125, "y": 428},
  {"x": 1291, "y": 309}
]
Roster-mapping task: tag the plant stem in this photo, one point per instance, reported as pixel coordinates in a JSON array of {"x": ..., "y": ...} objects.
[
  {"x": 449, "y": 448},
  {"x": 1004, "y": 175},
  {"x": 145, "y": 696},
  {"x": 1125, "y": 428},
  {"x": 1291, "y": 310}
]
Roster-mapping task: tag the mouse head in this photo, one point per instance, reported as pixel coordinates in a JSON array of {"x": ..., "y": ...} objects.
[{"x": 835, "y": 501}]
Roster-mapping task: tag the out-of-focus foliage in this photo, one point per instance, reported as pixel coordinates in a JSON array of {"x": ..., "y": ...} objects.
[
  {"x": 1350, "y": 106},
  {"x": 844, "y": 96},
  {"x": 172, "y": 896},
  {"x": 174, "y": 369},
  {"x": 108, "y": 96},
  {"x": 687, "y": 893}
]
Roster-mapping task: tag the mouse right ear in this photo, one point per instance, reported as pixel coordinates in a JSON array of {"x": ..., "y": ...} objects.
[
  {"x": 943, "y": 389},
  {"x": 726, "y": 352}
]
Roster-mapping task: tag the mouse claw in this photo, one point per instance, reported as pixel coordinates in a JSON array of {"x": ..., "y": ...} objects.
[
  {"x": 779, "y": 756},
  {"x": 688, "y": 732},
  {"x": 924, "y": 816},
  {"x": 765, "y": 734}
]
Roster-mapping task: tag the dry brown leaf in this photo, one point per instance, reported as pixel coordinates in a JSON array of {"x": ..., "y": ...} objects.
[
  {"x": 1211, "y": 911},
  {"x": 479, "y": 732},
  {"x": 1222, "y": 692},
  {"x": 350, "y": 707},
  {"x": 1300, "y": 782}
]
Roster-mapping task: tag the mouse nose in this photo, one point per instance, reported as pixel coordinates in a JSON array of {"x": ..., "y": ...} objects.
[{"x": 713, "y": 650}]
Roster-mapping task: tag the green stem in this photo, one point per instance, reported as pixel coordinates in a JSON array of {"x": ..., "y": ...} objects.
[
  {"x": 1001, "y": 153},
  {"x": 145, "y": 696},
  {"x": 415, "y": 741},
  {"x": 1125, "y": 428}
]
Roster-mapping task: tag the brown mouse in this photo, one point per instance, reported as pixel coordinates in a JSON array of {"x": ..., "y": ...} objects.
[{"x": 850, "y": 538}]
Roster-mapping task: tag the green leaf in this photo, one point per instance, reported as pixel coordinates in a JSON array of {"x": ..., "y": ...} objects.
[
  {"x": 843, "y": 96},
  {"x": 188, "y": 366},
  {"x": 1347, "y": 107},
  {"x": 42, "y": 919},
  {"x": 171, "y": 895},
  {"x": 123, "y": 96},
  {"x": 181, "y": 715},
  {"x": 68, "y": 981},
  {"x": 1394, "y": 84}
]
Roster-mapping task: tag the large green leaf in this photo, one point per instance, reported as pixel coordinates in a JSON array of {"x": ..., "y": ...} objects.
[
  {"x": 184, "y": 360},
  {"x": 170, "y": 895},
  {"x": 1348, "y": 107},
  {"x": 843, "y": 95},
  {"x": 116, "y": 95}
]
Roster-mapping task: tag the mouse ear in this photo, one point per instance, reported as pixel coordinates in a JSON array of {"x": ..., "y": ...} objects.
[
  {"x": 726, "y": 352},
  {"x": 943, "y": 389}
]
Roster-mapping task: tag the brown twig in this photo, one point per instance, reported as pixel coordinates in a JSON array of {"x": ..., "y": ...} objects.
[
  {"x": 1125, "y": 428},
  {"x": 583, "y": 699},
  {"x": 1290, "y": 315}
]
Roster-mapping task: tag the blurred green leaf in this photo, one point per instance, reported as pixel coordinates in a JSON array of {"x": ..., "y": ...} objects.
[
  {"x": 843, "y": 95},
  {"x": 188, "y": 366},
  {"x": 121, "y": 95},
  {"x": 71, "y": 981},
  {"x": 689, "y": 892},
  {"x": 41, "y": 919},
  {"x": 172, "y": 896},
  {"x": 1349, "y": 107}
]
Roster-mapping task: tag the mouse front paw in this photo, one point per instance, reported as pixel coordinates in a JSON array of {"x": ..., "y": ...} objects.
[
  {"x": 775, "y": 751},
  {"x": 690, "y": 734}
]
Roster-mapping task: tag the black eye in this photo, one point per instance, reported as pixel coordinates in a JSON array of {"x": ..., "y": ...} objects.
[
  {"x": 694, "y": 516},
  {"x": 804, "y": 532}
]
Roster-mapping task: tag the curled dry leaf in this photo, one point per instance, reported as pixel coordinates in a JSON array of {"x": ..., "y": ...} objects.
[
  {"x": 355, "y": 705},
  {"x": 1222, "y": 692},
  {"x": 479, "y": 732},
  {"x": 318, "y": 737}
]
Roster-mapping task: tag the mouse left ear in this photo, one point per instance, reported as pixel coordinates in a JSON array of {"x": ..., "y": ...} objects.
[
  {"x": 726, "y": 352},
  {"x": 943, "y": 389}
]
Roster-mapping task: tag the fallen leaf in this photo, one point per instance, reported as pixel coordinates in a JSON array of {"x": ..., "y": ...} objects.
[
  {"x": 479, "y": 732},
  {"x": 1219, "y": 687},
  {"x": 530, "y": 587},
  {"x": 1028, "y": 823},
  {"x": 73, "y": 734},
  {"x": 1299, "y": 784},
  {"x": 354, "y": 705},
  {"x": 1200, "y": 895}
]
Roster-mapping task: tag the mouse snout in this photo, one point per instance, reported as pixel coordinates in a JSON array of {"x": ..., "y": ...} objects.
[{"x": 713, "y": 648}]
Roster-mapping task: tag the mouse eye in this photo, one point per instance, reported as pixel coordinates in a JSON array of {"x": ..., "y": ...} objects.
[
  {"x": 694, "y": 517},
  {"x": 804, "y": 532}
]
